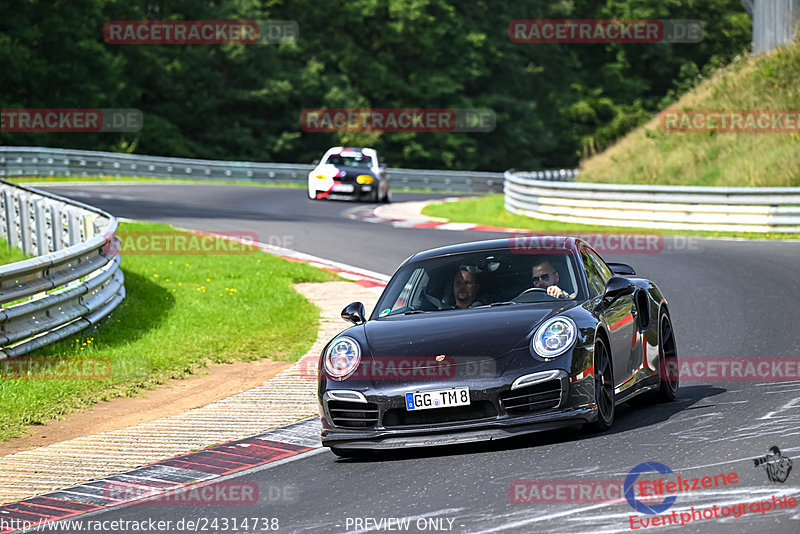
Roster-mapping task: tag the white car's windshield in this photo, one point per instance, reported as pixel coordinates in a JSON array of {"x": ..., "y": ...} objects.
[{"x": 363, "y": 162}]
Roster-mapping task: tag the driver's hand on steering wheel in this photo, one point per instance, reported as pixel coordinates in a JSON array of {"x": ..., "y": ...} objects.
[{"x": 557, "y": 292}]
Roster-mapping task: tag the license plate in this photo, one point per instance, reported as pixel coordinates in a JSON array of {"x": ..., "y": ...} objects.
[
  {"x": 343, "y": 188},
  {"x": 437, "y": 398}
]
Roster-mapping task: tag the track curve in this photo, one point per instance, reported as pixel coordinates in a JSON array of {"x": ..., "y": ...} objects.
[{"x": 728, "y": 298}]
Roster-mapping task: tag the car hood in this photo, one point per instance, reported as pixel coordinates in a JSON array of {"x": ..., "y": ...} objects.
[
  {"x": 354, "y": 171},
  {"x": 471, "y": 335}
]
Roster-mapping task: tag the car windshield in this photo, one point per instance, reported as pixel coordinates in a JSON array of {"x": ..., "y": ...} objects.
[
  {"x": 363, "y": 162},
  {"x": 488, "y": 278}
]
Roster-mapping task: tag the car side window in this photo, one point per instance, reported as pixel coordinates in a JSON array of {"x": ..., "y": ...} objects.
[
  {"x": 594, "y": 280},
  {"x": 601, "y": 266},
  {"x": 411, "y": 290}
]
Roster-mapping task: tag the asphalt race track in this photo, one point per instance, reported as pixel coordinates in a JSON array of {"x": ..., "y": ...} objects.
[{"x": 727, "y": 298}]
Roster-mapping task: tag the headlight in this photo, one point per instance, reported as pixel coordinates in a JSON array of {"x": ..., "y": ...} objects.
[
  {"x": 554, "y": 337},
  {"x": 321, "y": 177},
  {"x": 342, "y": 358},
  {"x": 364, "y": 179}
]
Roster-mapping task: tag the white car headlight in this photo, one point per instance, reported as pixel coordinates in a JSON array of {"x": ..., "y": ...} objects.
[
  {"x": 554, "y": 337},
  {"x": 342, "y": 358}
]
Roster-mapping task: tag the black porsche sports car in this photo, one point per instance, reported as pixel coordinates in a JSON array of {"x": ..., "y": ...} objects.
[{"x": 492, "y": 339}]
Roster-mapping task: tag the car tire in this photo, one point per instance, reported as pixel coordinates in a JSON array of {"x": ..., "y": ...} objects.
[
  {"x": 387, "y": 198},
  {"x": 603, "y": 387},
  {"x": 667, "y": 361}
]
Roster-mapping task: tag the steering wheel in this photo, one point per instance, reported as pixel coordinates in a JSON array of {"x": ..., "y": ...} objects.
[{"x": 533, "y": 290}]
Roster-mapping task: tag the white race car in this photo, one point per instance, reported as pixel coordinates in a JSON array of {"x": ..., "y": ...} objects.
[{"x": 349, "y": 172}]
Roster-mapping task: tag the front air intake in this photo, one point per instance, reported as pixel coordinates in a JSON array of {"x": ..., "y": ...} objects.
[
  {"x": 531, "y": 399},
  {"x": 353, "y": 414}
]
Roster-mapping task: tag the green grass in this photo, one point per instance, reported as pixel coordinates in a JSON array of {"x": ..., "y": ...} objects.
[
  {"x": 490, "y": 210},
  {"x": 649, "y": 155},
  {"x": 10, "y": 255},
  {"x": 182, "y": 312}
]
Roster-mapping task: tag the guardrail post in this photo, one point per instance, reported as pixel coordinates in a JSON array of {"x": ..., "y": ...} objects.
[
  {"x": 25, "y": 224},
  {"x": 40, "y": 221},
  {"x": 56, "y": 227},
  {"x": 73, "y": 227},
  {"x": 88, "y": 226},
  {"x": 5, "y": 214}
]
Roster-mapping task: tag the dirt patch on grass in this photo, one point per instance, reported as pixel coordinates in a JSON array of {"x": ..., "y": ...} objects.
[{"x": 216, "y": 382}]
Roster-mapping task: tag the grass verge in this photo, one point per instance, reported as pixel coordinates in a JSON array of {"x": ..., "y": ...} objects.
[
  {"x": 490, "y": 210},
  {"x": 181, "y": 313},
  {"x": 10, "y": 255},
  {"x": 651, "y": 155}
]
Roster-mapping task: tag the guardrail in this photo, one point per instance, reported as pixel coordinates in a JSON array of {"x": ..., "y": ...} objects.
[
  {"x": 35, "y": 161},
  {"x": 71, "y": 284},
  {"x": 774, "y": 22},
  {"x": 726, "y": 209}
]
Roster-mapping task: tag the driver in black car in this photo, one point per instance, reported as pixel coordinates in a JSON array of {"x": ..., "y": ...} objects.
[
  {"x": 546, "y": 277},
  {"x": 465, "y": 288}
]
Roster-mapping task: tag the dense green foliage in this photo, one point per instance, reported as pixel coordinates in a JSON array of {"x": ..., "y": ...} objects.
[{"x": 554, "y": 102}]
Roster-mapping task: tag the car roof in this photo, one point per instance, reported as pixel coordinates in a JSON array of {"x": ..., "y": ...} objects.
[
  {"x": 510, "y": 244},
  {"x": 369, "y": 152}
]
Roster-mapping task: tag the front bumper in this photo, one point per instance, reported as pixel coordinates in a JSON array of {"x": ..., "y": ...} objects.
[
  {"x": 359, "y": 190},
  {"x": 495, "y": 414},
  {"x": 465, "y": 433}
]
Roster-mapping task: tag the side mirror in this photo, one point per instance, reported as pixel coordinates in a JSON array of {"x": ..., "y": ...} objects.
[
  {"x": 315, "y": 162},
  {"x": 622, "y": 269},
  {"x": 354, "y": 312},
  {"x": 617, "y": 286}
]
